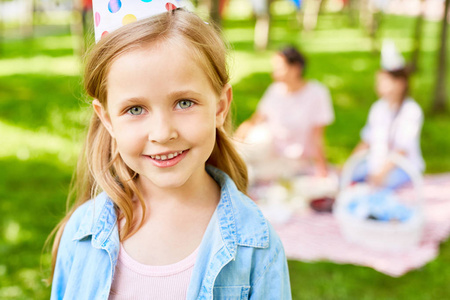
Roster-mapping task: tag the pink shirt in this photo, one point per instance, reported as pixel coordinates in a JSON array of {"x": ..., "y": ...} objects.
[
  {"x": 133, "y": 280},
  {"x": 293, "y": 116}
]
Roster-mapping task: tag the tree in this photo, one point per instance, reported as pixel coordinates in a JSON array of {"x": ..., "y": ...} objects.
[
  {"x": 439, "y": 103},
  {"x": 371, "y": 13},
  {"x": 215, "y": 12},
  {"x": 1, "y": 31},
  {"x": 417, "y": 38},
  {"x": 262, "y": 26},
  {"x": 311, "y": 14}
]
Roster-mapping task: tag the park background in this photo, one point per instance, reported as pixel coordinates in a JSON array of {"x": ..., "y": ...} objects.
[{"x": 44, "y": 113}]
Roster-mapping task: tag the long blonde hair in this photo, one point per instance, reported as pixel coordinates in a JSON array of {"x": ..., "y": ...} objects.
[{"x": 100, "y": 167}]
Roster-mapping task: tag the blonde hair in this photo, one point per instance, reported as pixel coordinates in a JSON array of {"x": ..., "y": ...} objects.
[{"x": 100, "y": 166}]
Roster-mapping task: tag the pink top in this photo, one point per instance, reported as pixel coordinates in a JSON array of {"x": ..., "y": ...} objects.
[
  {"x": 133, "y": 280},
  {"x": 292, "y": 116}
]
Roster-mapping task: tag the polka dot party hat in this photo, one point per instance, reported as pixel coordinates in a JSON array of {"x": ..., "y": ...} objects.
[{"x": 110, "y": 15}]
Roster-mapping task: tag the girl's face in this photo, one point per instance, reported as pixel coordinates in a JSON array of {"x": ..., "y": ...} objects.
[
  {"x": 163, "y": 113},
  {"x": 389, "y": 87},
  {"x": 282, "y": 71}
]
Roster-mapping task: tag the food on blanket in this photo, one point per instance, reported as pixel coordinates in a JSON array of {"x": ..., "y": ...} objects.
[
  {"x": 380, "y": 206},
  {"x": 322, "y": 204}
]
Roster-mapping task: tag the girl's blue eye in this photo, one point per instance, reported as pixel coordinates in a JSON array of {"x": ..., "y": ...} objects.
[
  {"x": 183, "y": 104},
  {"x": 136, "y": 110}
]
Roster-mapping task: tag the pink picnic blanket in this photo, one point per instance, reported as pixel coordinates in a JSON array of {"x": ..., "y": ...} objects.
[{"x": 311, "y": 236}]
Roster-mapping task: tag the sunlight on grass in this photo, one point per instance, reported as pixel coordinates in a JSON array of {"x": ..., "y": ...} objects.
[
  {"x": 336, "y": 44},
  {"x": 10, "y": 292},
  {"x": 242, "y": 64},
  {"x": 12, "y": 232},
  {"x": 239, "y": 10},
  {"x": 283, "y": 8},
  {"x": 26, "y": 144},
  {"x": 54, "y": 42},
  {"x": 239, "y": 35},
  {"x": 64, "y": 65}
]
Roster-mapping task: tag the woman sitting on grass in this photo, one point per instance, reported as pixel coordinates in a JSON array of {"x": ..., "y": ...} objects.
[{"x": 293, "y": 112}]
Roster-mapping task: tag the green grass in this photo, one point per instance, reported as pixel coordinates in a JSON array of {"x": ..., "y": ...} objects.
[{"x": 43, "y": 116}]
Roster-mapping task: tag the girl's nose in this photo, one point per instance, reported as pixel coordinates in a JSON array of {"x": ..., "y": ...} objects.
[{"x": 162, "y": 129}]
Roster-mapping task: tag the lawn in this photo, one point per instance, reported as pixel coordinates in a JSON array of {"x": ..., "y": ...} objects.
[{"x": 43, "y": 113}]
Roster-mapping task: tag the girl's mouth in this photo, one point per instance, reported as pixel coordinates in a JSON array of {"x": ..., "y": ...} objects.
[
  {"x": 166, "y": 156},
  {"x": 167, "y": 160}
]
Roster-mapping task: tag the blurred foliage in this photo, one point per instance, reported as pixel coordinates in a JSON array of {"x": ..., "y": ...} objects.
[{"x": 43, "y": 114}]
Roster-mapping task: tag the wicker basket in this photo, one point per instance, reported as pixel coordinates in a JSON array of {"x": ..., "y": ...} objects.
[{"x": 379, "y": 235}]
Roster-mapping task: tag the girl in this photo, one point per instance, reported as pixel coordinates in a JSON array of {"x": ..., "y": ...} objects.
[
  {"x": 394, "y": 125},
  {"x": 170, "y": 219}
]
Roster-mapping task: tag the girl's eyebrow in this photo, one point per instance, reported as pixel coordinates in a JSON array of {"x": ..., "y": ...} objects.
[
  {"x": 172, "y": 95},
  {"x": 133, "y": 100},
  {"x": 183, "y": 93}
]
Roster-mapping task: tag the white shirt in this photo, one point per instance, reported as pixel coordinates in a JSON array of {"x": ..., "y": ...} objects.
[{"x": 387, "y": 130}]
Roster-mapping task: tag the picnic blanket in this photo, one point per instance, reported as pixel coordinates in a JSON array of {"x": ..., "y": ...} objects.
[{"x": 312, "y": 236}]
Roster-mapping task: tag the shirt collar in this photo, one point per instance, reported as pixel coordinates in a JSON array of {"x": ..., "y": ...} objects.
[
  {"x": 240, "y": 220},
  {"x": 235, "y": 212},
  {"x": 99, "y": 220}
]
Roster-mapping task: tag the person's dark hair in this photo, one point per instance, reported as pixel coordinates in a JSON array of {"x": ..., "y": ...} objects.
[
  {"x": 293, "y": 56},
  {"x": 402, "y": 73}
]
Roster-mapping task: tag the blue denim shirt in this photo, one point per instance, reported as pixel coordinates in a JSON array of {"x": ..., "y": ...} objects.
[{"x": 240, "y": 256}]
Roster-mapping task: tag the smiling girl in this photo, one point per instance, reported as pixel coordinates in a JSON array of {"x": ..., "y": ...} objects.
[{"x": 168, "y": 216}]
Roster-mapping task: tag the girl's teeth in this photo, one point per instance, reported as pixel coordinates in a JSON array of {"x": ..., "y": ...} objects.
[{"x": 165, "y": 157}]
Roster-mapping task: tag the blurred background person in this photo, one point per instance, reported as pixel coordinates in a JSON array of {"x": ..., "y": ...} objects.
[
  {"x": 287, "y": 129},
  {"x": 393, "y": 126}
]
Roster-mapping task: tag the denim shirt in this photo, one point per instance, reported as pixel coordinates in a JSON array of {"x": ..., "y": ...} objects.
[{"x": 240, "y": 256}]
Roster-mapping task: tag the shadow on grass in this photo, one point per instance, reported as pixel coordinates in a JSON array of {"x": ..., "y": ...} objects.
[{"x": 32, "y": 197}]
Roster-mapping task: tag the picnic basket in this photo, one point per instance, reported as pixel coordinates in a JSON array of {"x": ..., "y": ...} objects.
[{"x": 375, "y": 234}]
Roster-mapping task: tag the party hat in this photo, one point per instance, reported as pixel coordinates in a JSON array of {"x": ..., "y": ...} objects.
[
  {"x": 391, "y": 59},
  {"x": 110, "y": 15}
]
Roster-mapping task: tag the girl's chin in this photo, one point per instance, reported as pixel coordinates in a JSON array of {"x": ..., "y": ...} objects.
[{"x": 165, "y": 182}]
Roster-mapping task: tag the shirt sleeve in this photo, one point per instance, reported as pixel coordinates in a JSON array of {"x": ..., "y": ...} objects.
[
  {"x": 408, "y": 127},
  {"x": 274, "y": 282},
  {"x": 265, "y": 104},
  {"x": 65, "y": 255},
  {"x": 324, "y": 113},
  {"x": 375, "y": 118}
]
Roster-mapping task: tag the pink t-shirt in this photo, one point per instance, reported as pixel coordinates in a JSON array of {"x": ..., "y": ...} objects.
[
  {"x": 133, "y": 280},
  {"x": 293, "y": 116}
]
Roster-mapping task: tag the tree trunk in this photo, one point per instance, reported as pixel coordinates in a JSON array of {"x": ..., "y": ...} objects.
[
  {"x": 2, "y": 32},
  {"x": 439, "y": 104},
  {"x": 371, "y": 20},
  {"x": 215, "y": 12},
  {"x": 27, "y": 22},
  {"x": 76, "y": 29},
  {"x": 312, "y": 10},
  {"x": 262, "y": 27},
  {"x": 262, "y": 31},
  {"x": 351, "y": 8},
  {"x": 417, "y": 38}
]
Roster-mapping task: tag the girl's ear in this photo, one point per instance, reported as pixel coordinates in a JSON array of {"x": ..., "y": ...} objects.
[
  {"x": 103, "y": 116},
  {"x": 224, "y": 105}
]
